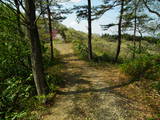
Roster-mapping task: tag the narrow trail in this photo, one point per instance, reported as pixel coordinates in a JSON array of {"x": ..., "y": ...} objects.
[{"x": 87, "y": 94}]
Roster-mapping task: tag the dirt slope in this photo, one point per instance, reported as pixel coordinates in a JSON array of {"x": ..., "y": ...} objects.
[{"x": 87, "y": 94}]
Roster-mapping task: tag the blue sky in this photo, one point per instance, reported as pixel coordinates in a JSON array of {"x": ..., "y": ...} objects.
[{"x": 109, "y": 17}]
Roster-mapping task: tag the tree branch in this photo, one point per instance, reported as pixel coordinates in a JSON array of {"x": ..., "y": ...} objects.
[
  {"x": 21, "y": 3},
  {"x": 150, "y": 10},
  {"x": 42, "y": 12},
  {"x": 23, "y": 19}
]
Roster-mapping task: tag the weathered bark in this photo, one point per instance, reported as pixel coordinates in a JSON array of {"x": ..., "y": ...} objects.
[
  {"x": 36, "y": 54},
  {"x": 119, "y": 31},
  {"x": 50, "y": 29},
  {"x": 89, "y": 31}
]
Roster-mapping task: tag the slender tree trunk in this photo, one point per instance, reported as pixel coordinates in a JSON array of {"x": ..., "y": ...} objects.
[
  {"x": 140, "y": 42},
  {"x": 43, "y": 15},
  {"x": 135, "y": 29},
  {"x": 89, "y": 31},
  {"x": 119, "y": 31},
  {"x": 36, "y": 54},
  {"x": 50, "y": 29}
]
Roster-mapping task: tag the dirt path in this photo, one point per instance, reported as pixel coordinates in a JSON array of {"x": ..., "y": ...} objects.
[{"x": 88, "y": 94}]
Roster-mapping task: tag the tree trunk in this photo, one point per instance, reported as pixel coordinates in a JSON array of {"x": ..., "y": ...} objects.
[
  {"x": 36, "y": 54},
  {"x": 119, "y": 32},
  {"x": 43, "y": 15},
  {"x": 135, "y": 29},
  {"x": 89, "y": 31},
  {"x": 50, "y": 29},
  {"x": 140, "y": 42}
]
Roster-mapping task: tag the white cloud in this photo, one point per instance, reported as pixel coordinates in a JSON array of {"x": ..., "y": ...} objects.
[{"x": 76, "y": 1}]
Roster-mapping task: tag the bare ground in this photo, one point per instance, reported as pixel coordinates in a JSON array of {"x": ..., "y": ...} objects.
[{"x": 88, "y": 94}]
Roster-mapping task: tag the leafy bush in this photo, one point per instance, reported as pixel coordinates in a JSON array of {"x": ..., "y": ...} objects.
[
  {"x": 103, "y": 58},
  {"x": 111, "y": 38},
  {"x": 15, "y": 97},
  {"x": 14, "y": 51},
  {"x": 81, "y": 48},
  {"x": 53, "y": 81},
  {"x": 145, "y": 66},
  {"x": 16, "y": 81},
  {"x": 47, "y": 59}
]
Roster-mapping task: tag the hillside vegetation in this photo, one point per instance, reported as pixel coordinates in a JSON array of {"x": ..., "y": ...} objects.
[{"x": 51, "y": 72}]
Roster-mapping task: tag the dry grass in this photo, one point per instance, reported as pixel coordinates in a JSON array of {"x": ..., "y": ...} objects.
[{"x": 102, "y": 46}]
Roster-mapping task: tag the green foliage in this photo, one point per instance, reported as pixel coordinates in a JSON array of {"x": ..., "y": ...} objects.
[
  {"x": 111, "y": 38},
  {"x": 15, "y": 97},
  {"x": 16, "y": 84},
  {"x": 79, "y": 41},
  {"x": 72, "y": 35},
  {"x": 16, "y": 81},
  {"x": 128, "y": 37},
  {"x": 81, "y": 49},
  {"x": 145, "y": 66},
  {"x": 53, "y": 81},
  {"x": 13, "y": 50},
  {"x": 46, "y": 57},
  {"x": 104, "y": 58}
]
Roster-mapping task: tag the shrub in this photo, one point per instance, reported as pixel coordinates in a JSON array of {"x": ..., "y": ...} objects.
[
  {"x": 80, "y": 48},
  {"x": 16, "y": 81},
  {"x": 104, "y": 58},
  {"x": 15, "y": 97},
  {"x": 145, "y": 66},
  {"x": 53, "y": 81}
]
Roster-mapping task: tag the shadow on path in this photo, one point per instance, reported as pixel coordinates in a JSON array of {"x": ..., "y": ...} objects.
[{"x": 106, "y": 89}]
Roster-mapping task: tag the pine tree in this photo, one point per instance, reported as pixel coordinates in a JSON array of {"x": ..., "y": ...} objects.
[
  {"x": 85, "y": 12},
  {"x": 135, "y": 20}
]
